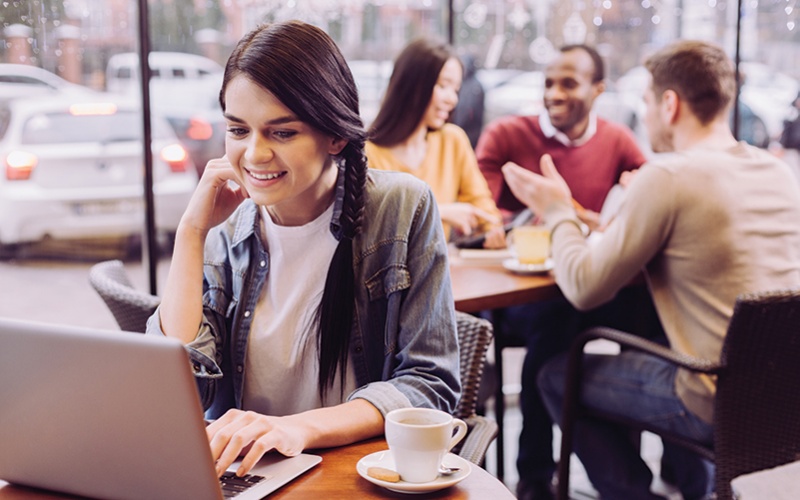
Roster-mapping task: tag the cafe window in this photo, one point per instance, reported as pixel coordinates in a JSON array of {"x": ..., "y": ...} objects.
[{"x": 511, "y": 41}]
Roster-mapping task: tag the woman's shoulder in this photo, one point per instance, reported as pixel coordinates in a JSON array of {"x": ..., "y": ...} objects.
[
  {"x": 388, "y": 183},
  {"x": 371, "y": 148},
  {"x": 452, "y": 132},
  {"x": 393, "y": 201},
  {"x": 395, "y": 189},
  {"x": 379, "y": 157}
]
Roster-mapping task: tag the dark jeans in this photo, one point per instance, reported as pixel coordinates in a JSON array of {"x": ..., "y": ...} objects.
[
  {"x": 548, "y": 329},
  {"x": 640, "y": 387}
]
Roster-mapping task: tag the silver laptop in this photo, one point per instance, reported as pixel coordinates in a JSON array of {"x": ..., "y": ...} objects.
[{"x": 112, "y": 415}]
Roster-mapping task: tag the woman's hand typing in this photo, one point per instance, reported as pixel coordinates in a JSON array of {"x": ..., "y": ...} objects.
[{"x": 251, "y": 435}]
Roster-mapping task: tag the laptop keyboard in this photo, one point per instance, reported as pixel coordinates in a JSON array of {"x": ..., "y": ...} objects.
[{"x": 233, "y": 485}]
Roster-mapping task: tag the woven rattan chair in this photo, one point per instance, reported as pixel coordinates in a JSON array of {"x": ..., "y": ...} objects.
[
  {"x": 474, "y": 336},
  {"x": 756, "y": 408},
  {"x": 130, "y": 307}
]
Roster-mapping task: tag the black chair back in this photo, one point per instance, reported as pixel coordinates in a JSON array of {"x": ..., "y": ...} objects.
[{"x": 757, "y": 408}]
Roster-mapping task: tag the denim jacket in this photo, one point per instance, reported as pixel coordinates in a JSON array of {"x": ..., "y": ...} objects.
[{"x": 403, "y": 343}]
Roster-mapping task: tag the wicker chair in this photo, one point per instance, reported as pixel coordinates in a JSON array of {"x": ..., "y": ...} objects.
[
  {"x": 130, "y": 307},
  {"x": 756, "y": 408},
  {"x": 474, "y": 336}
]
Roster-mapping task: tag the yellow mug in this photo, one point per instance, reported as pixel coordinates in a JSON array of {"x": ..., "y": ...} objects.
[{"x": 530, "y": 244}]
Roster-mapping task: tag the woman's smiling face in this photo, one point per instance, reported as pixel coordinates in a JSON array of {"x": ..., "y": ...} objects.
[
  {"x": 444, "y": 96},
  {"x": 282, "y": 162}
]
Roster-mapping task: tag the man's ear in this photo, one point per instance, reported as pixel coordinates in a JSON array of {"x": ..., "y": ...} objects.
[
  {"x": 337, "y": 145},
  {"x": 670, "y": 105},
  {"x": 599, "y": 88}
]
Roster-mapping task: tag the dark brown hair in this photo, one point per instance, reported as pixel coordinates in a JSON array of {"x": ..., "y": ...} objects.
[
  {"x": 699, "y": 72},
  {"x": 416, "y": 71},
  {"x": 301, "y": 66}
]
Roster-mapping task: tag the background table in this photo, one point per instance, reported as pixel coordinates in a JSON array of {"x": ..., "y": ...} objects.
[
  {"x": 336, "y": 478},
  {"x": 487, "y": 286}
]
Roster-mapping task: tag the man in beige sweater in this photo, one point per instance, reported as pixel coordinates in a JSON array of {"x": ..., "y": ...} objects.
[{"x": 708, "y": 221}]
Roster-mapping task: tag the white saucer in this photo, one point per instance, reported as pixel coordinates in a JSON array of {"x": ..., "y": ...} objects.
[
  {"x": 483, "y": 256},
  {"x": 386, "y": 460},
  {"x": 517, "y": 267}
]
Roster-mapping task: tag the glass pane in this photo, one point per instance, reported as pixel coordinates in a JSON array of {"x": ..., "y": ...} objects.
[
  {"x": 57, "y": 48},
  {"x": 510, "y": 37},
  {"x": 74, "y": 47}
]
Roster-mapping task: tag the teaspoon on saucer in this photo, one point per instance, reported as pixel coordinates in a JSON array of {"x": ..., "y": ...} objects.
[{"x": 448, "y": 471}]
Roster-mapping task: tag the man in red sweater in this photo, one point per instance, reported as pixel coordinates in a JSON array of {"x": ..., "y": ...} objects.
[{"x": 592, "y": 154}]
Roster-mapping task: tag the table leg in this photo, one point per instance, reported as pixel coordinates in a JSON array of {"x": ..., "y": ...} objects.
[{"x": 499, "y": 395}]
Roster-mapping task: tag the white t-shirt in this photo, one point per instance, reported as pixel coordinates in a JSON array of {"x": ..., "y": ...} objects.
[{"x": 281, "y": 365}]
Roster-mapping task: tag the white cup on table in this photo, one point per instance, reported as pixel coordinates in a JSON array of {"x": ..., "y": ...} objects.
[{"x": 419, "y": 438}]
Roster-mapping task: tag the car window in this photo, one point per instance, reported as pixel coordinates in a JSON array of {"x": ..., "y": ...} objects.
[
  {"x": 5, "y": 117},
  {"x": 26, "y": 80},
  {"x": 178, "y": 73},
  {"x": 65, "y": 128}
]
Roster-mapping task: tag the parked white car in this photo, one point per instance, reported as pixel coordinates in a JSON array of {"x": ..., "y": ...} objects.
[
  {"x": 122, "y": 71},
  {"x": 192, "y": 108},
  {"x": 73, "y": 168},
  {"x": 185, "y": 89},
  {"x": 17, "y": 80}
]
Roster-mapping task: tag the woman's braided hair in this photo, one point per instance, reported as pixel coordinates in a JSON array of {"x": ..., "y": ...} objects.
[{"x": 303, "y": 68}]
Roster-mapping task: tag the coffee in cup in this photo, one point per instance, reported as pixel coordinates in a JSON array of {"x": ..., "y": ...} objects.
[
  {"x": 419, "y": 438},
  {"x": 530, "y": 244}
]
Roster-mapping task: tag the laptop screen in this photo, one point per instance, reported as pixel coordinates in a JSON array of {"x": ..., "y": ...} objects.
[{"x": 104, "y": 414}]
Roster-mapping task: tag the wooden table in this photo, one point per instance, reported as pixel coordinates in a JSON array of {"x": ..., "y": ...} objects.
[
  {"x": 487, "y": 286},
  {"x": 336, "y": 478},
  {"x": 479, "y": 286}
]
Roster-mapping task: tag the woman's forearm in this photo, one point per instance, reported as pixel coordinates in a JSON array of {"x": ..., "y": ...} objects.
[
  {"x": 181, "y": 308},
  {"x": 339, "y": 425}
]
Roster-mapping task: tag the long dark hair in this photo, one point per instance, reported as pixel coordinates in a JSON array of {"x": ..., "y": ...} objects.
[
  {"x": 303, "y": 68},
  {"x": 416, "y": 71}
]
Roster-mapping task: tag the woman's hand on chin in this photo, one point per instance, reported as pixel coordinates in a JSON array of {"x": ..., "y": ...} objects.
[
  {"x": 251, "y": 435},
  {"x": 217, "y": 195}
]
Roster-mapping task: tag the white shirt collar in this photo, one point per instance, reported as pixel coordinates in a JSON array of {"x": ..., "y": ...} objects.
[{"x": 551, "y": 132}]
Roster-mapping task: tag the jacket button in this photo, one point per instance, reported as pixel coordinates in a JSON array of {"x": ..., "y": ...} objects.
[
  {"x": 239, "y": 368},
  {"x": 247, "y": 314}
]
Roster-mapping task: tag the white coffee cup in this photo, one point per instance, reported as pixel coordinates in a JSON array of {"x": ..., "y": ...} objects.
[{"x": 419, "y": 438}]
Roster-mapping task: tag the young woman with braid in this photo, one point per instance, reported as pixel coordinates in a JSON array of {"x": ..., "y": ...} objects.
[{"x": 313, "y": 295}]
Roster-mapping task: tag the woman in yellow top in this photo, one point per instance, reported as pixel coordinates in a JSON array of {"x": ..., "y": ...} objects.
[{"x": 411, "y": 134}]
